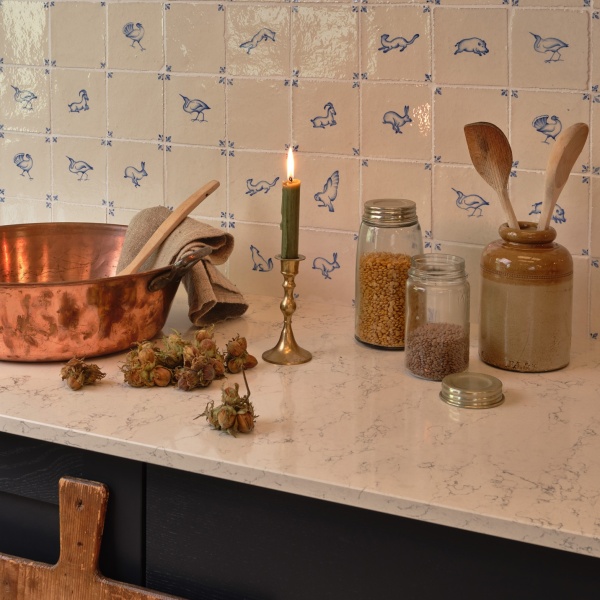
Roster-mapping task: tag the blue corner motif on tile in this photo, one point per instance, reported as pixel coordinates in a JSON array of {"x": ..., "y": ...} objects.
[
  {"x": 550, "y": 44},
  {"x": 136, "y": 174},
  {"x": 472, "y": 203},
  {"x": 79, "y": 167},
  {"x": 24, "y": 97},
  {"x": 474, "y": 45},
  {"x": 259, "y": 186},
  {"x": 326, "y": 266},
  {"x": 76, "y": 107},
  {"x": 397, "y": 121},
  {"x": 134, "y": 32},
  {"x": 558, "y": 216},
  {"x": 397, "y": 43},
  {"x": 196, "y": 107},
  {"x": 548, "y": 126},
  {"x": 259, "y": 263},
  {"x": 260, "y": 36},
  {"x": 24, "y": 162},
  {"x": 330, "y": 191},
  {"x": 328, "y": 120}
]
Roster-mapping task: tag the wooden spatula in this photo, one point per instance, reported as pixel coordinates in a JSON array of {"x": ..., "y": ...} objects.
[{"x": 168, "y": 226}]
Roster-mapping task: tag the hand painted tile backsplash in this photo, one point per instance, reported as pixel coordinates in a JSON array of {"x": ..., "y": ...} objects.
[{"x": 108, "y": 107}]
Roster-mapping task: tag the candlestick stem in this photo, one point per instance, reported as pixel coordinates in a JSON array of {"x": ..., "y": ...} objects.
[{"x": 287, "y": 351}]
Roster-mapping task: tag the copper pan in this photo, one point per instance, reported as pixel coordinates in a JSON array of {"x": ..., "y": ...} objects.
[{"x": 60, "y": 298}]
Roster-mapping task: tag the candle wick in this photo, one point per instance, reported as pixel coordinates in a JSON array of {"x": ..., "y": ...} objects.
[{"x": 290, "y": 179}]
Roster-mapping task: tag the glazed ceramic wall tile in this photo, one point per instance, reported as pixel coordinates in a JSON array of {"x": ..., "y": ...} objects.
[
  {"x": 254, "y": 184},
  {"x": 25, "y": 99},
  {"x": 135, "y": 105},
  {"x": 257, "y": 38},
  {"x": 325, "y": 116},
  {"x": 595, "y": 219},
  {"x": 594, "y": 327},
  {"x": 581, "y": 295},
  {"x": 470, "y": 46},
  {"x": 396, "y": 43},
  {"x": 325, "y": 41},
  {"x": 195, "y": 110},
  {"x": 78, "y": 34},
  {"x": 24, "y": 211},
  {"x": 135, "y": 36},
  {"x": 396, "y": 121},
  {"x": 195, "y": 38},
  {"x": 465, "y": 208},
  {"x": 549, "y": 49},
  {"x": 396, "y": 179},
  {"x": 571, "y": 216},
  {"x": 78, "y": 214},
  {"x": 258, "y": 114},
  {"x": 135, "y": 175},
  {"x": 537, "y": 118},
  {"x": 330, "y": 192},
  {"x": 188, "y": 169},
  {"x": 79, "y": 101},
  {"x": 24, "y": 32},
  {"x": 79, "y": 171},
  {"x": 26, "y": 166},
  {"x": 454, "y": 108}
]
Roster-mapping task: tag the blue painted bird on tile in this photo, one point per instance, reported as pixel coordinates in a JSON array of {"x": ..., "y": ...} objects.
[
  {"x": 135, "y": 33},
  {"x": 76, "y": 107},
  {"x": 558, "y": 216},
  {"x": 550, "y": 44},
  {"x": 25, "y": 163},
  {"x": 328, "y": 120},
  {"x": 259, "y": 262},
  {"x": 136, "y": 174},
  {"x": 24, "y": 97},
  {"x": 259, "y": 186},
  {"x": 79, "y": 167},
  {"x": 472, "y": 203},
  {"x": 398, "y": 43},
  {"x": 326, "y": 266},
  {"x": 330, "y": 191},
  {"x": 397, "y": 121},
  {"x": 548, "y": 126},
  {"x": 474, "y": 45},
  {"x": 262, "y": 35},
  {"x": 196, "y": 107}
]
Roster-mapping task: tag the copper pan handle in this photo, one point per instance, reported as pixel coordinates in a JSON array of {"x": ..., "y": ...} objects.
[
  {"x": 178, "y": 269},
  {"x": 168, "y": 226}
]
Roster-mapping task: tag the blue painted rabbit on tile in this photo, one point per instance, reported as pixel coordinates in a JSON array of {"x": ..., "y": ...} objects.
[
  {"x": 397, "y": 121},
  {"x": 261, "y": 36},
  {"x": 326, "y": 121},
  {"x": 260, "y": 264},
  {"x": 259, "y": 186},
  {"x": 558, "y": 216},
  {"x": 398, "y": 43},
  {"x": 326, "y": 266},
  {"x": 330, "y": 191},
  {"x": 135, "y": 175}
]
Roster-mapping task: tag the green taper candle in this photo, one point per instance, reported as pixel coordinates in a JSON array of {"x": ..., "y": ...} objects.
[{"x": 290, "y": 212}]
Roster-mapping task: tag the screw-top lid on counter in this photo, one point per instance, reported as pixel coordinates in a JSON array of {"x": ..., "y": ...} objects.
[{"x": 472, "y": 390}]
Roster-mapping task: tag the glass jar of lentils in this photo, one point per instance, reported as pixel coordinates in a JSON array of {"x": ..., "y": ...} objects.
[
  {"x": 437, "y": 316},
  {"x": 389, "y": 236}
]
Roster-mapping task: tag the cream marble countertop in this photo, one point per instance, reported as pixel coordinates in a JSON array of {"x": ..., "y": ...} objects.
[{"x": 352, "y": 427}]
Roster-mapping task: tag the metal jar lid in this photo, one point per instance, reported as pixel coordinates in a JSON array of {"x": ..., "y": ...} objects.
[
  {"x": 390, "y": 213},
  {"x": 472, "y": 390}
]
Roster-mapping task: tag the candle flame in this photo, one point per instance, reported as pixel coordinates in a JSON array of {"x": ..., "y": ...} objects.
[{"x": 290, "y": 164}]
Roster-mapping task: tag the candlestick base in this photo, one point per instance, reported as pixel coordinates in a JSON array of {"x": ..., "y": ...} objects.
[{"x": 287, "y": 351}]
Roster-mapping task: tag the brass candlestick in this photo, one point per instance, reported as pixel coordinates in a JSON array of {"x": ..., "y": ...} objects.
[{"x": 287, "y": 351}]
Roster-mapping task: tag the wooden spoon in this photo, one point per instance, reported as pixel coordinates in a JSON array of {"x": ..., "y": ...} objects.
[
  {"x": 562, "y": 157},
  {"x": 491, "y": 156},
  {"x": 168, "y": 226}
]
